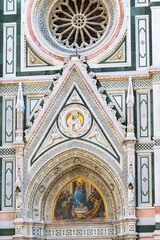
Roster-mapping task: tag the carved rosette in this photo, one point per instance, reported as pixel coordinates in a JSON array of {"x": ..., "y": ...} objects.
[
  {"x": 74, "y": 121},
  {"x": 78, "y": 24}
]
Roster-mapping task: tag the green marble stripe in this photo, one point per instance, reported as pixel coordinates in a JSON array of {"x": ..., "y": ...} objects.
[
  {"x": 157, "y": 226},
  {"x": 7, "y": 232},
  {"x": 145, "y": 228}
]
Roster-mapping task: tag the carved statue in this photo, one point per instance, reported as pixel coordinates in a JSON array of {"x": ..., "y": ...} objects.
[
  {"x": 97, "y": 136},
  {"x": 55, "y": 135},
  {"x": 18, "y": 198},
  {"x": 75, "y": 123}
]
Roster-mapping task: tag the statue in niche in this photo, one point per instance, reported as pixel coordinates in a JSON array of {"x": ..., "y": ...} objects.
[
  {"x": 18, "y": 198},
  {"x": 79, "y": 200}
]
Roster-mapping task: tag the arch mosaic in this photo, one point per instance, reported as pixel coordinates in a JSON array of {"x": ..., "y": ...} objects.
[{"x": 79, "y": 200}]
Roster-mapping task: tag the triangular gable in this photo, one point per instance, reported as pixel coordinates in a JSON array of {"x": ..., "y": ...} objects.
[
  {"x": 75, "y": 83},
  {"x": 93, "y": 134}
]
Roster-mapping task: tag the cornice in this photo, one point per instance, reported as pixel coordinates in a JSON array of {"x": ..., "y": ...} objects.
[{"x": 123, "y": 76}]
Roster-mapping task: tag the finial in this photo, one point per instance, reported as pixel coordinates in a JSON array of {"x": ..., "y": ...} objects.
[
  {"x": 20, "y": 101},
  {"x": 130, "y": 96}
]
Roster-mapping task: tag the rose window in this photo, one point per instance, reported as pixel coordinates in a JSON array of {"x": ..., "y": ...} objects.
[{"x": 78, "y": 23}]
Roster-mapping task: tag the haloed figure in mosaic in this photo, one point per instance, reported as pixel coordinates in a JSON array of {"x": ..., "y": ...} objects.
[{"x": 79, "y": 200}]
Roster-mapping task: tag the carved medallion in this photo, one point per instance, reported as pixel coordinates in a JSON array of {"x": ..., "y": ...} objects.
[{"x": 74, "y": 120}]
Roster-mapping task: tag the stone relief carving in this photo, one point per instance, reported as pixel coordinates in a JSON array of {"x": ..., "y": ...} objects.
[
  {"x": 111, "y": 106},
  {"x": 36, "y": 212},
  {"x": 102, "y": 92},
  {"x": 57, "y": 170},
  {"x": 94, "y": 80},
  {"x": 131, "y": 197},
  {"x": 123, "y": 127},
  {"x": 77, "y": 161},
  {"x": 42, "y": 188},
  {"x": 74, "y": 120},
  {"x": 75, "y": 123},
  {"x": 74, "y": 98},
  {"x": 55, "y": 135},
  {"x": 97, "y": 136},
  {"x": 28, "y": 125},
  {"x": 37, "y": 112}
]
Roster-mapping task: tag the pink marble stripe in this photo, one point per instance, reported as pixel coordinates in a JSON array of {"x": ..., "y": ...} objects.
[
  {"x": 148, "y": 212},
  {"x": 7, "y": 216}
]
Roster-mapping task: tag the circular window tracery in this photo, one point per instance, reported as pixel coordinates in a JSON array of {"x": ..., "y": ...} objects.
[{"x": 79, "y": 23}]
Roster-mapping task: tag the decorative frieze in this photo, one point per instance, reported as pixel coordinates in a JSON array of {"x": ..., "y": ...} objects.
[
  {"x": 142, "y": 42},
  {"x": 124, "y": 84},
  {"x": 81, "y": 232},
  {"x": 144, "y": 179},
  {"x": 106, "y": 85},
  {"x": 144, "y": 146},
  {"x": 157, "y": 142},
  {"x": 26, "y": 89},
  {"x": 7, "y": 151},
  {"x": 10, "y": 7},
  {"x": 156, "y": 78},
  {"x": 9, "y": 50}
]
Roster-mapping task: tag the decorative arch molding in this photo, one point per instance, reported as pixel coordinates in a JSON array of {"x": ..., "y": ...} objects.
[
  {"x": 71, "y": 174},
  {"x": 53, "y": 176}
]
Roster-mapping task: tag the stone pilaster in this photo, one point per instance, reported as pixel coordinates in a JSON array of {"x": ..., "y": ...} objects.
[
  {"x": 19, "y": 147},
  {"x": 130, "y": 143}
]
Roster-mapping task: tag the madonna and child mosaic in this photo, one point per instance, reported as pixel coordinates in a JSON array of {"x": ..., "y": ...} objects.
[{"x": 79, "y": 200}]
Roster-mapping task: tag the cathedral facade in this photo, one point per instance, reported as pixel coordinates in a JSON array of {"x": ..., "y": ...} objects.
[{"x": 80, "y": 119}]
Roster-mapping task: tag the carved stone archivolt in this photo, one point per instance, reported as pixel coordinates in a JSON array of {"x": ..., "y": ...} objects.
[
  {"x": 42, "y": 195},
  {"x": 71, "y": 174}
]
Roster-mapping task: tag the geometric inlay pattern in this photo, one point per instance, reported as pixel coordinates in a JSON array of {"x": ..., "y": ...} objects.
[{"x": 8, "y": 151}]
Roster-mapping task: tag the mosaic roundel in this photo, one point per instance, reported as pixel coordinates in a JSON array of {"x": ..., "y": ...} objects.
[{"x": 74, "y": 120}]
